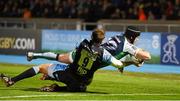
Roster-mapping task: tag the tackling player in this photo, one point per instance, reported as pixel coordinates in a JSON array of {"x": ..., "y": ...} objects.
[
  {"x": 88, "y": 58},
  {"x": 119, "y": 46}
]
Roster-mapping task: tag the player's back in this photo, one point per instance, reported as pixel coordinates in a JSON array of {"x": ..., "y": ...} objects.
[
  {"x": 115, "y": 44},
  {"x": 87, "y": 60}
]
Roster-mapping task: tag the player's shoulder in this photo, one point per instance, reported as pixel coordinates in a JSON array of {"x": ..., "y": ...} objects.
[
  {"x": 85, "y": 41},
  {"x": 117, "y": 38},
  {"x": 105, "y": 52}
]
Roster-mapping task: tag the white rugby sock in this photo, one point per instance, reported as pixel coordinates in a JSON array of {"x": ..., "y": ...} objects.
[
  {"x": 36, "y": 69},
  {"x": 46, "y": 55}
]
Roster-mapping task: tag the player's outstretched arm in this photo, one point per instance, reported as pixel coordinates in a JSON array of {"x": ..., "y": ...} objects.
[
  {"x": 116, "y": 63},
  {"x": 142, "y": 54},
  {"x": 109, "y": 59},
  {"x": 137, "y": 52},
  {"x": 130, "y": 60}
]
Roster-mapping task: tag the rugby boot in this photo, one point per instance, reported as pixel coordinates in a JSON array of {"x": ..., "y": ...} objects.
[
  {"x": 121, "y": 70},
  {"x": 7, "y": 80},
  {"x": 51, "y": 88},
  {"x": 30, "y": 56}
]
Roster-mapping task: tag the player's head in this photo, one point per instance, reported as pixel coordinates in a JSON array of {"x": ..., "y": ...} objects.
[
  {"x": 97, "y": 36},
  {"x": 132, "y": 33}
]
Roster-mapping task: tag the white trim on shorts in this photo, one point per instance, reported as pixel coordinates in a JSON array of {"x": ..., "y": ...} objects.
[{"x": 55, "y": 67}]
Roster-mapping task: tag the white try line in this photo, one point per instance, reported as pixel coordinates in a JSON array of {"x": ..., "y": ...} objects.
[{"x": 140, "y": 94}]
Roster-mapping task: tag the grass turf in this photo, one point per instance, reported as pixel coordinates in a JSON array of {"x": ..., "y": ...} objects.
[{"x": 107, "y": 85}]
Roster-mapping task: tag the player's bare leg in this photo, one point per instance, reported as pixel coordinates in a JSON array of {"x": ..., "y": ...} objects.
[
  {"x": 32, "y": 72},
  {"x": 64, "y": 58},
  {"x": 46, "y": 55},
  {"x": 26, "y": 74}
]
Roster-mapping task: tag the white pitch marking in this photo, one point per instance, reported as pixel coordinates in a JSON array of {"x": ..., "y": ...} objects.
[{"x": 140, "y": 94}]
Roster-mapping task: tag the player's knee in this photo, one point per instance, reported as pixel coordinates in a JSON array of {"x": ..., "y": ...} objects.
[
  {"x": 40, "y": 69},
  {"x": 44, "y": 68},
  {"x": 81, "y": 88}
]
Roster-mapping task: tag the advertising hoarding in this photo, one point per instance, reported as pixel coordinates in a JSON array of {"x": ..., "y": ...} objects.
[
  {"x": 170, "y": 49},
  {"x": 19, "y": 41},
  {"x": 67, "y": 40}
]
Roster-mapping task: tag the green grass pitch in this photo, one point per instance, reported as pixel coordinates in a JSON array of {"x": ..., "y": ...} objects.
[{"x": 107, "y": 85}]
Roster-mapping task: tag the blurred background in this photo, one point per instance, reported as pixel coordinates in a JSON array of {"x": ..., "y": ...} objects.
[
  {"x": 33, "y": 13},
  {"x": 58, "y": 25}
]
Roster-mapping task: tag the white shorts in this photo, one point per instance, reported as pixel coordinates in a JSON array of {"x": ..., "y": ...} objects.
[{"x": 56, "y": 67}]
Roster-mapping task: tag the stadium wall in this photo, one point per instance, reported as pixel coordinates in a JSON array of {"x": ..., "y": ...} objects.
[{"x": 162, "y": 46}]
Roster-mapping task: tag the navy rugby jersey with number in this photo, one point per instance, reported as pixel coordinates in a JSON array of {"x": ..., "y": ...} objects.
[
  {"x": 118, "y": 46},
  {"x": 88, "y": 59}
]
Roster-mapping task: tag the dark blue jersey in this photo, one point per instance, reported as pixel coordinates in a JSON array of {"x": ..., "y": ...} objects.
[
  {"x": 118, "y": 46},
  {"x": 115, "y": 45},
  {"x": 88, "y": 59}
]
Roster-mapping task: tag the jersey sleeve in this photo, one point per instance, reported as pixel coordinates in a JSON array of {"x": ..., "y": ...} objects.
[
  {"x": 130, "y": 48},
  {"x": 108, "y": 58},
  {"x": 113, "y": 45},
  {"x": 72, "y": 55}
]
